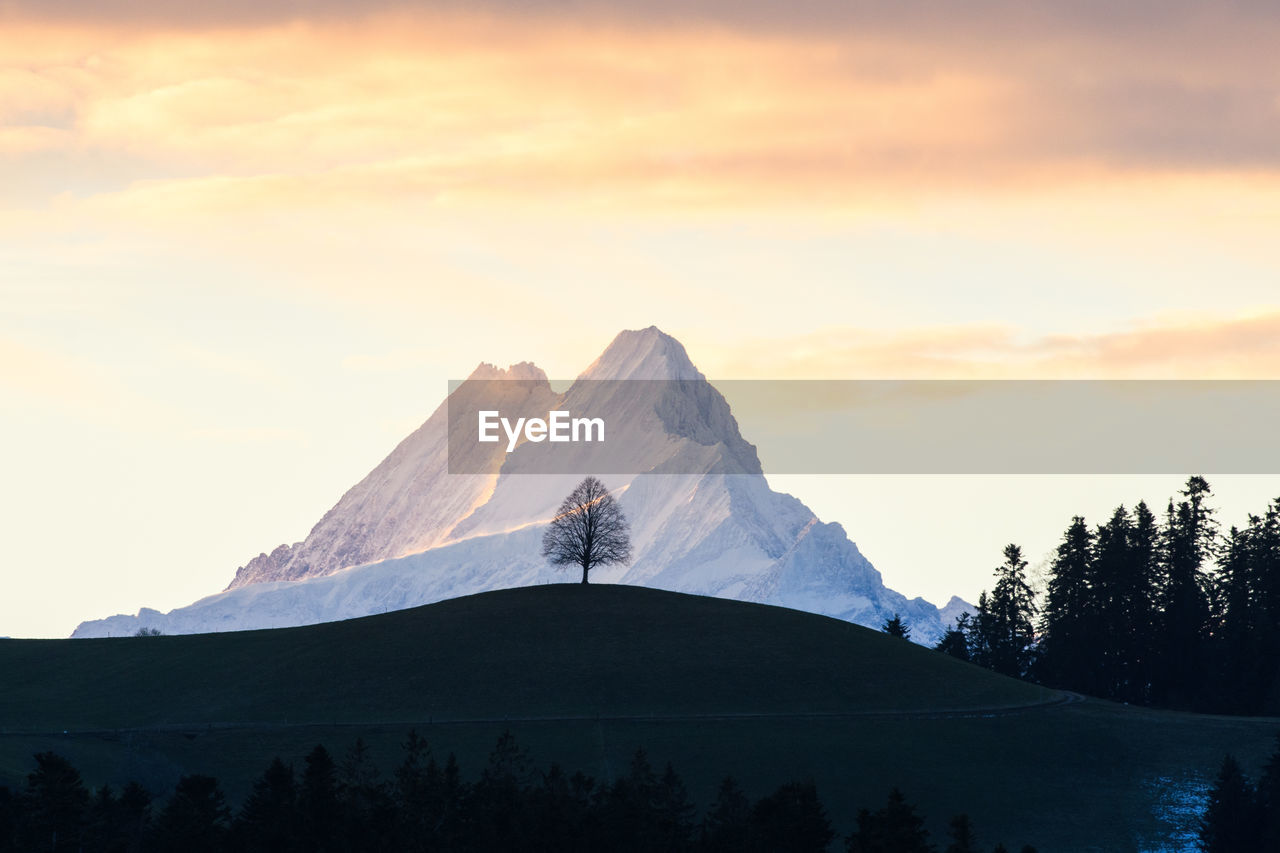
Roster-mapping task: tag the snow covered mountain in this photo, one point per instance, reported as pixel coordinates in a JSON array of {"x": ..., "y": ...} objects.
[
  {"x": 405, "y": 504},
  {"x": 411, "y": 533}
]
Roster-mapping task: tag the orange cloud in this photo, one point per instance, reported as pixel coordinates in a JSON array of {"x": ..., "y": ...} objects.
[
  {"x": 1240, "y": 348},
  {"x": 1233, "y": 348},
  {"x": 457, "y": 108}
]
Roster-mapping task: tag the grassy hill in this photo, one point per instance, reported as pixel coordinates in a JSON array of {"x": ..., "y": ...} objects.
[
  {"x": 562, "y": 650},
  {"x": 585, "y": 675}
]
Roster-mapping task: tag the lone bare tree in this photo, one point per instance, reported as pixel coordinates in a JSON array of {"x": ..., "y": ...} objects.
[{"x": 589, "y": 530}]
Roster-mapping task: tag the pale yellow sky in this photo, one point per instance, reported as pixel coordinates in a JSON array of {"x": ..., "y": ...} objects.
[{"x": 242, "y": 251}]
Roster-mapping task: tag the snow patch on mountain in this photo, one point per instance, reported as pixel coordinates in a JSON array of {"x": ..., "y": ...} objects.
[{"x": 411, "y": 533}]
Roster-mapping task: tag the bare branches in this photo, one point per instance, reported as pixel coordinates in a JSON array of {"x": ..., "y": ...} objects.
[{"x": 588, "y": 530}]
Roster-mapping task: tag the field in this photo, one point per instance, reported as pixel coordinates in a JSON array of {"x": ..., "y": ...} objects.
[{"x": 585, "y": 675}]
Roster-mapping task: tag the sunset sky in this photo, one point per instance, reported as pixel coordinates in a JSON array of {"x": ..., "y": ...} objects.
[{"x": 244, "y": 245}]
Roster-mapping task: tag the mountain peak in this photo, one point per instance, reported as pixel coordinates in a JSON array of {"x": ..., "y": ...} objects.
[
  {"x": 648, "y": 353},
  {"x": 526, "y": 370},
  {"x": 414, "y": 531}
]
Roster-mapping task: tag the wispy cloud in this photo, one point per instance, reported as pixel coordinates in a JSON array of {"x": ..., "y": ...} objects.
[
  {"x": 1223, "y": 348},
  {"x": 705, "y": 107}
]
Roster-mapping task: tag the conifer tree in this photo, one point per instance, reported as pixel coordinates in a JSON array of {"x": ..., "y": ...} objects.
[
  {"x": 115, "y": 824},
  {"x": 1140, "y": 588},
  {"x": 726, "y": 827},
  {"x": 1111, "y": 603},
  {"x": 1003, "y": 638},
  {"x": 1264, "y": 587},
  {"x": 955, "y": 640},
  {"x": 961, "y": 836},
  {"x": 364, "y": 801},
  {"x": 454, "y": 792},
  {"x": 895, "y": 627},
  {"x": 792, "y": 818},
  {"x": 269, "y": 814},
  {"x": 54, "y": 805},
  {"x": 675, "y": 812},
  {"x": 1187, "y": 542},
  {"x": 417, "y": 791},
  {"x": 1123, "y": 583},
  {"x": 135, "y": 814},
  {"x": 496, "y": 800},
  {"x": 318, "y": 805},
  {"x": 196, "y": 818},
  {"x": 1065, "y": 658},
  {"x": 1264, "y": 535},
  {"x": 1231, "y": 822},
  {"x": 636, "y": 797},
  {"x": 558, "y": 806},
  {"x": 896, "y": 828},
  {"x": 8, "y": 818},
  {"x": 1268, "y": 798},
  {"x": 1238, "y": 678},
  {"x": 101, "y": 829}
]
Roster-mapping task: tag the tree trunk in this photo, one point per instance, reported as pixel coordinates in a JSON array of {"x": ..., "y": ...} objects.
[{"x": 584, "y": 572}]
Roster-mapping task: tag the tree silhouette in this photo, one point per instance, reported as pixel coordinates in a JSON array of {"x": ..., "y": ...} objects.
[
  {"x": 1066, "y": 652},
  {"x": 895, "y": 627},
  {"x": 792, "y": 818},
  {"x": 1138, "y": 606},
  {"x": 497, "y": 800},
  {"x": 726, "y": 828},
  {"x": 1110, "y": 610},
  {"x": 1231, "y": 823},
  {"x": 428, "y": 808},
  {"x": 416, "y": 792},
  {"x": 1237, "y": 658},
  {"x": 268, "y": 817},
  {"x": 363, "y": 800},
  {"x": 55, "y": 804},
  {"x": 196, "y": 818},
  {"x": 1188, "y": 542},
  {"x": 134, "y": 813},
  {"x": 675, "y": 811},
  {"x": 896, "y": 828},
  {"x": 960, "y": 832},
  {"x": 1268, "y": 800},
  {"x": 1003, "y": 638},
  {"x": 558, "y": 809},
  {"x": 955, "y": 640},
  {"x": 588, "y": 530},
  {"x": 318, "y": 802},
  {"x": 631, "y": 808}
]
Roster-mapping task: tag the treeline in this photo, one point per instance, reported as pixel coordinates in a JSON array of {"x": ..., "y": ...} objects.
[
  {"x": 425, "y": 805},
  {"x": 1242, "y": 817},
  {"x": 1168, "y": 612}
]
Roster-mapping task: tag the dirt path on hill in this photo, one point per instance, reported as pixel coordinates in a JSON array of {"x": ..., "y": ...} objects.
[{"x": 1061, "y": 698}]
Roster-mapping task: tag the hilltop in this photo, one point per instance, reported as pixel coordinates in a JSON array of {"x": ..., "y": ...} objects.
[
  {"x": 544, "y": 651},
  {"x": 586, "y": 675}
]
